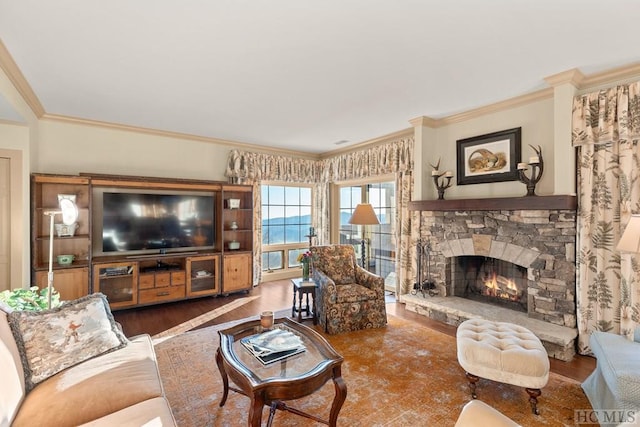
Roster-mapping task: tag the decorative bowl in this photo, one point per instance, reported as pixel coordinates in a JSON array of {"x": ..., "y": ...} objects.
[
  {"x": 234, "y": 245},
  {"x": 65, "y": 259}
]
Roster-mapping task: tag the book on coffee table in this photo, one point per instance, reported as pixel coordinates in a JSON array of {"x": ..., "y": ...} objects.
[{"x": 274, "y": 345}]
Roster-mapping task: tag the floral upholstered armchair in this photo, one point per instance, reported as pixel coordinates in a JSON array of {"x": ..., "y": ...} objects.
[{"x": 348, "y": 297}]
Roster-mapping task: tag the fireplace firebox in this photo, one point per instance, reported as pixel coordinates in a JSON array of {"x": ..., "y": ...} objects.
[{"x": 490, "y": 280}]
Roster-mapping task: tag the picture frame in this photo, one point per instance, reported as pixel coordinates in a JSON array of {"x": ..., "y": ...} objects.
[{"x": 489, "y": 158}]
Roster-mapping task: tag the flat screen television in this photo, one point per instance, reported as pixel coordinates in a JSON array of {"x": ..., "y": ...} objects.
[{"x": 137, "y": 222}]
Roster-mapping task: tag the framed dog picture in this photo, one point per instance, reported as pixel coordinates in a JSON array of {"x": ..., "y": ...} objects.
[{"x": 489, "y": 158}]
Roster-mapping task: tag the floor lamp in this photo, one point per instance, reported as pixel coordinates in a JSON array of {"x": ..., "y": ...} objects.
[
  {"x": 69, "y": 212},
  {"x": 364, "y": 215}
]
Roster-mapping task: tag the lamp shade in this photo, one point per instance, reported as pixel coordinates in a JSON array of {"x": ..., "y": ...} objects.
[
  {"x": 69, "y": 211},
  {"x": 364, "y": 215},
  {"x": 630, "y": 240}
]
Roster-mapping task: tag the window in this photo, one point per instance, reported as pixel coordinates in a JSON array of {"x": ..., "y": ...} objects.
[
  {"x": 286, "y": 219},
  {"x": 380, "y": 249}
]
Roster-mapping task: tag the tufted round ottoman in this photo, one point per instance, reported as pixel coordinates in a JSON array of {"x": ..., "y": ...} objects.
[{"x": 503, "y": 352}]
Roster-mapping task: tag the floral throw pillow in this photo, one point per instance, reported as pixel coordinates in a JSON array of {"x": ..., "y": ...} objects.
[{"x": 52, "y": 340}]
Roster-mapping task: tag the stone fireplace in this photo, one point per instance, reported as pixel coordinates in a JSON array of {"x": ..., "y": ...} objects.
[{"x": 510, "y": 259}]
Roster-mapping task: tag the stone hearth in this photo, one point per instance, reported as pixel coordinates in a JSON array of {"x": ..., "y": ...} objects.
[{"x": 536, "y": 233}]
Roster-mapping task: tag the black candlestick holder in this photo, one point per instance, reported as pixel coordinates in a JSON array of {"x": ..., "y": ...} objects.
[
  {"x": 443, "y": 184},
  {"x": 537, "y": 167}
]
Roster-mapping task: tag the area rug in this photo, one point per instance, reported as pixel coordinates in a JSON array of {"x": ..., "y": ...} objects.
[{"x": 404, "y": 374}]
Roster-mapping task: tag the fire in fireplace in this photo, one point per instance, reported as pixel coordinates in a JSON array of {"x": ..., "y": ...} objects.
[{"x": 490, "y": 280}]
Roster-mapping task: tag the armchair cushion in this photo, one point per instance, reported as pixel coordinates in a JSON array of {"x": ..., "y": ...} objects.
[
  {"x": 352, "y": 292},
  {"x": 337, "y": 262}
]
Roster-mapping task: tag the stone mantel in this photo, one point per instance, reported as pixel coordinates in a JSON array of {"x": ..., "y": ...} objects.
[{"x": 500, "y": 203}]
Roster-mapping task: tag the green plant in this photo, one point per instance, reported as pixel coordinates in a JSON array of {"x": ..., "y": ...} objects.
[{"x": 30, "y": 299}]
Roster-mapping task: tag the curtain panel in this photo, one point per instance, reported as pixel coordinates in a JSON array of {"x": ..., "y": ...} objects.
[
  {"x": 606, "y": 130},
  {"x": 254, "y": 168},
  {"x": 394, "y": 157}
]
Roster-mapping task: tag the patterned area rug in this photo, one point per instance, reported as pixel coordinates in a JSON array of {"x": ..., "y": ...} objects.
[{"x": 405, "y": 374}]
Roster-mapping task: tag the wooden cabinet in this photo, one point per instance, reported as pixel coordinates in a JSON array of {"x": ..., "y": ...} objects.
[
  {"x": 71, "y": 283},
  {"x": 75, "y": 240},
  {"x": 133, "y": 277},
  {"x": 118, "y": 281},
  {"x": 238, "y": 272},
  {"x": 161, "y": 280},
  {"x": 203, "y": 276}
]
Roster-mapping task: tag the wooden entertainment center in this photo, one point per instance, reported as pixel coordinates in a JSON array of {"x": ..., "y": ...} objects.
[{"x": 137, "y": 278}]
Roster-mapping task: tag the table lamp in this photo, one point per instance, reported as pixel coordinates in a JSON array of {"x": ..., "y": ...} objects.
[
  {"x": 69, "y": 212},
  {"x": 364, "y": 215},
  {"x": 630, "y": 240}
]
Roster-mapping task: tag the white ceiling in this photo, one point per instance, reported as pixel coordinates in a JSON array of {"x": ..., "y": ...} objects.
[{"x": 303, "y": 74}]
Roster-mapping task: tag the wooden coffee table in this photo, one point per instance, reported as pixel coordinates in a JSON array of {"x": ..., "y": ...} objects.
[{"x": 291, "y": 378}]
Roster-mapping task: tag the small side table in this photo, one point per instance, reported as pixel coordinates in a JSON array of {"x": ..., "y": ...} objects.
[{"x": 302, "y": 288}]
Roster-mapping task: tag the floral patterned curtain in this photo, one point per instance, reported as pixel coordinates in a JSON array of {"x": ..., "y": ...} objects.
[
  {"x": 606, "y": 130},
  {"x": 394, "y": 157},
  {"x": 253, "y": 168}
]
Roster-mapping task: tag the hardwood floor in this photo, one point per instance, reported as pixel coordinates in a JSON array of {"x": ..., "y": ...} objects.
[{"x": 278, "y": 295}]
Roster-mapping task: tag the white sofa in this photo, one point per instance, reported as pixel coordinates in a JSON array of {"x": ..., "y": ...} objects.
[
  {"x": 478, "y": 414},
  {"x": 615, "y": 383},
  {"x": 120, "y": 388}
]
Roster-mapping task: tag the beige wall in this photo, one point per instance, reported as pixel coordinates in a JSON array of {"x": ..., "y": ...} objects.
[
  {"x": 67, "y": 147},
  {"x": 73, "y": 148},
  {"x": 536, "y": 121}
]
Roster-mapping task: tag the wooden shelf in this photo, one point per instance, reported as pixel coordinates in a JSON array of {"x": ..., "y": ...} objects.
[
  {"x": 563, "y": 202},
  {"x": 75, "y": 236}
]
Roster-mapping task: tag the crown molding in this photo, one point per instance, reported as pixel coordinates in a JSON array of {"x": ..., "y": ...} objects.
[
  {"x": 404, "y": 133},
  {"x": 572, "y": 76},
  {"x": 169, "y": 134},
  {"x": 12, "y": 123},
  {"x": 497, "y": 107},
  {"x": 424, "y": 121},
  {"x": 16, "y": 77},
  {"x": 612, "y": 76}
]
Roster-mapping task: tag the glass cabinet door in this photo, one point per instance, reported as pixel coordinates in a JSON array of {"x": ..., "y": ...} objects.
[
  {"x": 203, "y": 275},
  {"x": 118, "y": 281}
]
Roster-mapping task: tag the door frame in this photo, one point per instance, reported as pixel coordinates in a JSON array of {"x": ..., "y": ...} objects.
[{"x": 17, "y": 215}]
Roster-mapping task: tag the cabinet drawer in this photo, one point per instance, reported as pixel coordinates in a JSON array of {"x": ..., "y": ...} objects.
[
  {"x": 160, "y": 294},
  {"x": 163, "y": 279},
  {"x": 146, "y": 281},
  {"x": 178, "y": 278}
]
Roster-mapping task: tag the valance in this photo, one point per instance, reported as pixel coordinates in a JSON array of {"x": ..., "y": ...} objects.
[
  {"x": 382, "y": 159},
  {"x": 607, "y": 116},
  {"x": 392, "y": 157},
  {"x": 269, "y": 167}
]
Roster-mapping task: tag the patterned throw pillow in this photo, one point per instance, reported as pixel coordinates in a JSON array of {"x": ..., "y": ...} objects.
[{"x": 52, "y": 340}]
